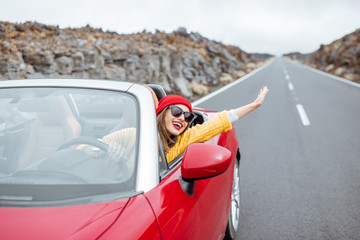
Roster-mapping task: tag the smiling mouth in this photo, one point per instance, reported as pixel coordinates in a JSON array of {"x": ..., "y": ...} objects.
[{"x": 177, "y": 125}]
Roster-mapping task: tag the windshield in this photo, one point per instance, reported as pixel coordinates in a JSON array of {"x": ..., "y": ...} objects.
[{"x": 59, "y": 146}]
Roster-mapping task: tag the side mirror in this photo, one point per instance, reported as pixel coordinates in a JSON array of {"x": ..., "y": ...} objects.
[{"x": 202, "y": 160}]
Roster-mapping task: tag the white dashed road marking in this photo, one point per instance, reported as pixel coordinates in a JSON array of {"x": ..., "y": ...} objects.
[
  {"x": 291, "y": 87},
  {"x": 303, "y": 116}
]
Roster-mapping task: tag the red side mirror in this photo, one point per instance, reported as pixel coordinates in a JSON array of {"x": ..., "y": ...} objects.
[{"x": 203, "y": 160}]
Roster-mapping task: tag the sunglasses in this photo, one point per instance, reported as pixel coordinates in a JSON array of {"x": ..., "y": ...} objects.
[{"x": 177, "y": 111}]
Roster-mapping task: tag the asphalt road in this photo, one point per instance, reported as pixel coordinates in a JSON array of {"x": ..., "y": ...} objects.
[{"x": 300, "y": 174}]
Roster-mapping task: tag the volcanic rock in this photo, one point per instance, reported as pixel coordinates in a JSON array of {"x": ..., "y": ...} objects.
[{"x": 183, "y": 63}]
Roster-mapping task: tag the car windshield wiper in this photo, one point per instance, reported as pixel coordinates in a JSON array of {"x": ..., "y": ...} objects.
[
  {"x": 28, "y": 201},
  {"x": 48, "y": 174},
  {"x": 15, "y": 198}
]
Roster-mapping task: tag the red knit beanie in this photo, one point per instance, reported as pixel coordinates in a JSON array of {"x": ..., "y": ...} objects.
[{"x": 172, "y": 100}]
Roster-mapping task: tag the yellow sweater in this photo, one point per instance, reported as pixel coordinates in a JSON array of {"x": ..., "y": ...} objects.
[
  {"x": 126, "y": 137},
  {"x": 198, "y": 133}
]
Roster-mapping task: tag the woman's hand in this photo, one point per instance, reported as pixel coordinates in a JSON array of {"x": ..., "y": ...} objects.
[
  {"x": 116, "y": 152},
  {"x": 261, "y": 97},
  {"x": 244, "y": 110}
]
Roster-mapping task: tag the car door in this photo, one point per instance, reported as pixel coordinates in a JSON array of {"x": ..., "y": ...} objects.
[{"x": 198, "y": 214}]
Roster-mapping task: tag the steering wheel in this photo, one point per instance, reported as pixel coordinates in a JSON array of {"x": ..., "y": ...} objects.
[
  {"x": 84, "y": 140},
  {"x": 96, "y": 143}
]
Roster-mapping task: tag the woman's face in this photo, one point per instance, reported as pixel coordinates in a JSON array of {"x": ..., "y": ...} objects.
[{"x": 176, "y": 125}]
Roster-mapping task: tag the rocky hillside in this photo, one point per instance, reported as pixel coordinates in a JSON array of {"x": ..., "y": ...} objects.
[
  {"x": 297, "y": 56},
  {"x": 183, "y": 63},
  {"x": 341, "y": 57}
]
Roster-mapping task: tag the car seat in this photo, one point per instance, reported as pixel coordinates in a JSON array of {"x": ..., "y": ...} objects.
[
  {"x": 51, "y": 127},
  {"x": 156, "y": 100},
  {"x": 157, "y": 90},
  {"x": 125, "y": 123}
]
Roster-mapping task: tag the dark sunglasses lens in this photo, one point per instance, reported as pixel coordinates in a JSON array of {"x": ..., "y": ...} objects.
[
  {"x": 176, "y": 111},
  {"x": 188, "y": 116}
]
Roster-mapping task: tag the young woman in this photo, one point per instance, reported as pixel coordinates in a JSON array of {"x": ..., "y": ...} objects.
[{"x": 174, "y": 114}]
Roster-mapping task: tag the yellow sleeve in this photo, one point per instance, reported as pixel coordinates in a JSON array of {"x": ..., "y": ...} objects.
[
  {"x": 126, "y": 137},
  {"x": 200, "y": 133}
]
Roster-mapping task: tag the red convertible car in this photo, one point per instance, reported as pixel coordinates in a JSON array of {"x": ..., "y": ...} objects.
[{"x": 51, "y": 188}]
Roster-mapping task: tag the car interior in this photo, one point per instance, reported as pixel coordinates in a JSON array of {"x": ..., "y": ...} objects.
[
  {"x": 62, "y": 119},
  {"x": 36, "y": 127},
  {"x": 57, "y": 121}
]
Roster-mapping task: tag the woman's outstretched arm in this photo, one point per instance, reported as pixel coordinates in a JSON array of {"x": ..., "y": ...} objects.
[{"x": 244, "y": 110}]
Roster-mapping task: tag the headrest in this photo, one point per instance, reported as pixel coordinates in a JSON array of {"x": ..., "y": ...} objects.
[{"x": 156, "y": 100}]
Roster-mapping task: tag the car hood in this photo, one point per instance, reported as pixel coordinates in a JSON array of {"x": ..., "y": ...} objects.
[{"x": 73, "y": 222}]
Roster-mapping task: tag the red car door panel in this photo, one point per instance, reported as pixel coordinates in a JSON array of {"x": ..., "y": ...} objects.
[{"x": 200, "y": 216}]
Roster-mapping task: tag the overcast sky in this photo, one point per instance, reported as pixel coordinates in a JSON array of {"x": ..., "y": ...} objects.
[{"x": 263, "y": 26}]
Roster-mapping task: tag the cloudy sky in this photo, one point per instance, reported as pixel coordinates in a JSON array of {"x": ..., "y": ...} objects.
[{"x": 263, "y": 26}]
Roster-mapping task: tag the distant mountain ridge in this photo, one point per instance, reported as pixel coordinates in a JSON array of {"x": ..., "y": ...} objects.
[
  {"x": 341, "y": 57},
  {"x": 183, "y": 63}
]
